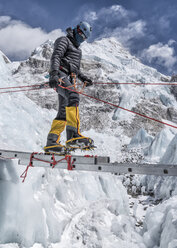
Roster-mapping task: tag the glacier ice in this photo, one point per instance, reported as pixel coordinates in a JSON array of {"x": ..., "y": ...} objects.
[
  {"x": 61, "y": 209},
  {"x": 141, "y": 139},
  {"x": 170, "y": 156},
  {"x": 70, "y": 209},
  {"x": 160, "y": 225},
  {"x": 159, "y": 145}
]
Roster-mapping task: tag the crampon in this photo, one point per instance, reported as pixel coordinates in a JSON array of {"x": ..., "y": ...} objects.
[{"x": 81, "y": 143}]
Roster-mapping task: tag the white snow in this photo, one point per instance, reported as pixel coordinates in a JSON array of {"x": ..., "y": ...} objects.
[
  {"x": 55, "y": 208},
  {"x": 20, "y": 118}
]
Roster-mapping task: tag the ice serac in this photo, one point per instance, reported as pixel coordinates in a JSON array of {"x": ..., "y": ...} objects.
[
  {"x": 159, "y": 145},
  {"x": 141, "y": 139},
  {"x": 160, "y": 225},
  {"x": 166, "y": 153},
  {"x": 65, "y": 209},
  {"x": 170, "y": 156}
]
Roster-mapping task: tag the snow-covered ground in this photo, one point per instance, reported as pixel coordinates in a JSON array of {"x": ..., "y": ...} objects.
[{"x": 62, "y": 209}]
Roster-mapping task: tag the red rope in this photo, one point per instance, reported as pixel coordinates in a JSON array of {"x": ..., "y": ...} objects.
[
  {"x": 22, "y": 86},
  {"x": 97, "y": 99},
  {"x": 168, "y": 84},
  {"x": 12, "y": 91},
  {"x": 24, "y": 174},
  {"x": 4, "y": 158},
  {"x": 99, "y": 83},
  {"x": 70, "y": 164},
  {"x": 53, "y": 163},
  {"x": 117, "y": 106}
]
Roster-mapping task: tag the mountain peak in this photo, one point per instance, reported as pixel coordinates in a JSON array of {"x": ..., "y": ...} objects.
[
  {"x": 43, "y": 52},
  {"x": 5, "y": 58}
]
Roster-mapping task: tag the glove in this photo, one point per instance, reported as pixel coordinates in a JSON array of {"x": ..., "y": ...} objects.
[
  {"x": 54, "y": 79},
  {"x": 88, "y": 82}
]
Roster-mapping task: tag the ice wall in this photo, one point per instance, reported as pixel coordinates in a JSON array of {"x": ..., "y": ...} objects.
[{"x": 68, "y": 209}]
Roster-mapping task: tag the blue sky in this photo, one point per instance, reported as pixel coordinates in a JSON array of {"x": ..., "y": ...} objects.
[{"x": 146, "y": 27}]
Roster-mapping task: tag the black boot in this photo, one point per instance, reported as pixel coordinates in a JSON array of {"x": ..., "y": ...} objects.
[
  {"x": 76, "y": 140},
  {"x": 53, "y": 145}
]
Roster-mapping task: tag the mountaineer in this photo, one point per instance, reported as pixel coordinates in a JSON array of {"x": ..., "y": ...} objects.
[{"x": 64, "y": 69}]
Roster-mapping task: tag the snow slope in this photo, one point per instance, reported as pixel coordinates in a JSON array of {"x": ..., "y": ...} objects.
[
  {"x": 61, "y": 209},
  {"x": 23, "y": 124}
]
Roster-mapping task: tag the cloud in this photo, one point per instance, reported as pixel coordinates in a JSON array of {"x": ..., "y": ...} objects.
[
  {"x": 163, "y": 54},
  {"x": 114, "y": 12},
  {"x": 115, "y": 21},
  {"x": 18, "y": 39},
  {"x": 110, "y": 14},
  {"x": 133, "y": 30},
  {"x": 147, "y": 33},
  {"x": 164, "y": 23},
  {"x": 91, "y": 16},
  {"x": 4, "y": 21}
]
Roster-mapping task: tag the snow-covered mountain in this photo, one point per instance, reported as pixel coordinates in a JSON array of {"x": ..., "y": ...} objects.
[
  {"x": 62, "y": 209},
  {"x": 107, "y": 61}
]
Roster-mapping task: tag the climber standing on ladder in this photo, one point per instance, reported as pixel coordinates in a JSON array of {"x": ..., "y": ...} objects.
[{"x": 64, "y": 69}]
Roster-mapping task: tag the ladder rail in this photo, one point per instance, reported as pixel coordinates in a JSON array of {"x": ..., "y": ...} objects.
[{"x": 91, "y": 163}]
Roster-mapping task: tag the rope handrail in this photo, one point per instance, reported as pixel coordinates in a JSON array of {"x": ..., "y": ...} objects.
[
  {"x": 134, "y": 83},
  {"x": 38, "y": 86},
  {"x": 97, "y": 99},
  {"x": 117, "y": 106},
  {"x": 20, "y": 86}
]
